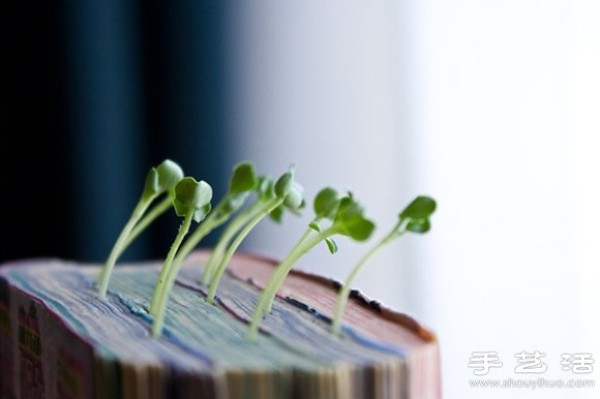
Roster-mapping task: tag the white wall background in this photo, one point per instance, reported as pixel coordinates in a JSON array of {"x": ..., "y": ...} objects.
[{"x": 493, "y": 108}]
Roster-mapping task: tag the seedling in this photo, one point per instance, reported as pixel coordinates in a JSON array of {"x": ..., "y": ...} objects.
[
  {"x": 347, "y": 219},
  {"x": 159, "y": 180},
  {"x": 243, "y": 182},
  {"x": 414, "y": 219},
  {"x": 284, "y": 194},
  {"x": 192, "y": 202},
  {"x": 264, "y": 190}
]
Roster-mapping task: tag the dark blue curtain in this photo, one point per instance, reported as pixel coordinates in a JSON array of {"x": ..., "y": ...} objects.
[{"x": 93, "y": 94}]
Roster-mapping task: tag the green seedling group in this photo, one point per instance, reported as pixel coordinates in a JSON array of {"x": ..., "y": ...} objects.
[{"x": 250, "y": 199}]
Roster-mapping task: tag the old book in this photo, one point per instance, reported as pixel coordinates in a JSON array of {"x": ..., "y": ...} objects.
[{"x": 58, "y": 340}]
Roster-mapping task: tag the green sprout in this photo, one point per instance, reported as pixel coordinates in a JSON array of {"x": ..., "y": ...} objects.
[
  {"x": 347, "y": 219},
  {"x": 415, "y": 219},
  {"x": 243, "y": 182},
  {"x": 286, "y": 193},
  {"x": 192, "y": 202},
  {"x": 264, "y": 189},
  {"x": 160, "y": 179}
]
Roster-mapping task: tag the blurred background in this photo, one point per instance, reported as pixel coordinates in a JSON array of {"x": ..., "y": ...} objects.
[{"x": 492, "y": 108}]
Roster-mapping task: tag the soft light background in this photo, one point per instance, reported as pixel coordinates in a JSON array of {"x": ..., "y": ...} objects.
[{"x": 490, "y": 107}]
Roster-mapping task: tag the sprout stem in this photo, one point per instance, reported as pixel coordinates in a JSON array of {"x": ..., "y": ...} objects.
[
  {"x": 161, "y": 285},
  {"x": 165, "y": 282},
  {"x": 306, "y": 245},
  {"x": 178, "y": 262},
  {"x": 230, "y": 231},
  {"x": 150, "y": 217},
  {"x": 120, "y": 244},
  {"x": 267, "y": 297},
  {"x": 213, "y": 220},
  {"x": 216, "y": 278},
  {"x": 345, "y": 291}
]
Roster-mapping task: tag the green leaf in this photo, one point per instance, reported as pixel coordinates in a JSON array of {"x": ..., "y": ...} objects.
[
  {"x": 265, "y": 188},
  {"x": 420, "y": 208},
  {"x": 232, "y": 203},
  {"x": 162, "y": 178},
  {"x": 315, "y": 226},
  {"x": 276, "y": 214},
  {"x": 200, "y": 214},
  {"x": 350, "y": 221},
  {"x": 284, "y": 184},
  {"x": 295, "y": 196},
  {"x": 347, "y": 210},
  {"x": 331, "y": 244},
  {"x": 244, "y": 179},
  {"x": 360, "y": 229},
  {"x": 169, "y": 174},
  {"x": 192, "y": 196},
  {"x": 326, "y": 203},
  {"x": 418, "y": 226}
]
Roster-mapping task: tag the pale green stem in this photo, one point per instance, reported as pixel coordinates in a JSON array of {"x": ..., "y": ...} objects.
[
  {"x": 268, "y": 295},
  {"x": 299, "y": 251},
  {"x": 109, "y": 265},
  {"x": 230, "y": 231},
  {"x": 165, "y": 283},
  {"x": 209, "y": 224},
  {"x": 202, "y": 231},
  {"x": 213, "y": 221},
  {"x": 160, "y": 288},
  {"x": 235, "y": 244},
  {"x": 303, "y": 238},
  {"x": 345, "y": 291},
  {"x": 150, "y": 217}
]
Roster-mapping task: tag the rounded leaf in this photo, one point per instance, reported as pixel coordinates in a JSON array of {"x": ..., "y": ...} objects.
[
  {"x": 201, "y": 213},
  {"x": 295, "y": 196},
  {"x": 350, "y": 221},
  {"x": 420, "y": 208},
  {"x": 169, "y": 174},
  {"x": 192, "y": 196},
  {"x": 244, "y": 178},
  {"x": 265, "y": 188},
  {"x": 232, "y": 203},
  {"x": 360, "y": 229},
  {"x": 331, "y": 245},
  {"x": 326, "y": 203},
  {"x": 418, "y": 226},
  {"x": 276, "y": 214},
  {"x": 347, "y": 210},
  {"x": 284, "y": 184},
  {"x": 315, "y": 226}
]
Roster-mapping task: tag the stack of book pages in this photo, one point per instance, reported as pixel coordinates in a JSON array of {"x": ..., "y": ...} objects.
[{"x": 59, "y": 340}]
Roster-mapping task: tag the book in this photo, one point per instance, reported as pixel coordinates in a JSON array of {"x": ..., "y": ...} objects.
[{"x": 59, "y": 340}]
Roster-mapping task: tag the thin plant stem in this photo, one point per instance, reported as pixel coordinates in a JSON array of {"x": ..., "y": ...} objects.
[
  {"x": 150, "y": 217},
  {"x": 213, "y": 221},
  {"x": 230, "y": 231},
  {"x": 161, "y": 285},
  {"x": 283, "y": 269},
  {"x": 300, "y": 250},
  {"x": 165, "y": 283},
  {"x": 345, "y": 291},
  {"x": 105, "y": 274},
  {"x": 202, "y": 231},
  {"x": 235, "y": 244}
]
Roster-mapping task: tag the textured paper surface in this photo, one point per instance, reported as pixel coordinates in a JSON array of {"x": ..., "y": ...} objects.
[{"x": 60, "y": 341}]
